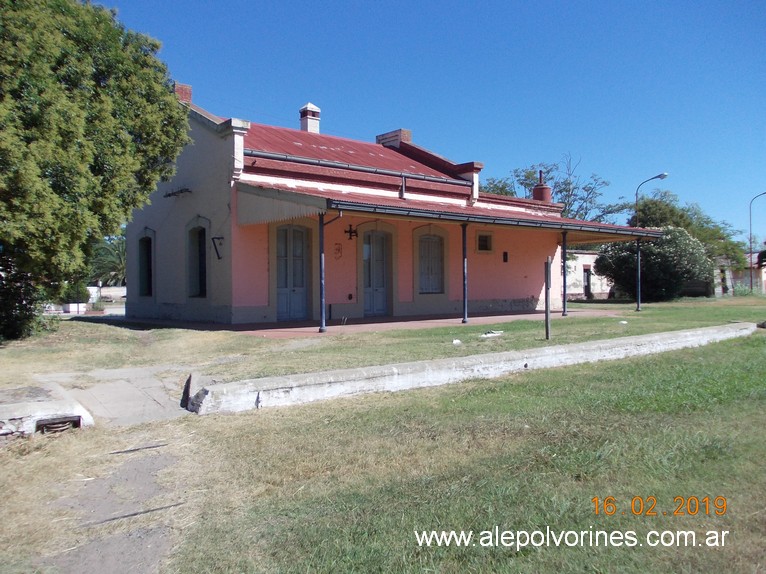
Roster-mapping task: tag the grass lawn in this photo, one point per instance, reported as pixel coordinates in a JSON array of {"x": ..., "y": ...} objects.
[
  {"x": 343, "y": 486},
  {"x": 79, "y": 345}
]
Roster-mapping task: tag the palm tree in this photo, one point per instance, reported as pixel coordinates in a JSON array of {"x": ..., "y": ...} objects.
[{"x": 109, "y": 263}]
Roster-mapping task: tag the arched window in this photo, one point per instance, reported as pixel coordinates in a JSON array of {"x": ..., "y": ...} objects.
[
  {"x": 197, "y": 252},
  {"x": 431, "y": 258},
  {"x": 145, "y": 267}
]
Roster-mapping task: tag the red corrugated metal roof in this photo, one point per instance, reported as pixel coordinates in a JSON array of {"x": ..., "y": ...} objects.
[{"x": 332, "y": 148}]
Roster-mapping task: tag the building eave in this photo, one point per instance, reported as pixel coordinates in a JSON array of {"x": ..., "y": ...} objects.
[
  {"x": 318, "y": 200},
  {"x": 581, "y": 232}
]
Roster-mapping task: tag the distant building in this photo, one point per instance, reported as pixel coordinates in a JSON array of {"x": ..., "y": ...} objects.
[
  {"x": 582, "y": 280},
  {"x": 742, "y": 277}
]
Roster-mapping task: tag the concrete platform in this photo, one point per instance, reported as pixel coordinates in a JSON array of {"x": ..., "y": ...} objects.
[
  {"x": 303, "y": 388},
  {"x": 129, "y": 396},
  {"x": 23, "y": 410}
]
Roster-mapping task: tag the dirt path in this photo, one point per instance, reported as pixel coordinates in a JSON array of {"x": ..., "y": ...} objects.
[{"x": 123, "y": 520}]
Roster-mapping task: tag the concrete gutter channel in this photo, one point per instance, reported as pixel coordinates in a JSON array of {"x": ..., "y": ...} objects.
[
  {"x": 204, "y": 397},
  {"x": 50, "y": 407}
]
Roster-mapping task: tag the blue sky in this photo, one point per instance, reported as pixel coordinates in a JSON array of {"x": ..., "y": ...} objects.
[{"x": 631, "y": 89}]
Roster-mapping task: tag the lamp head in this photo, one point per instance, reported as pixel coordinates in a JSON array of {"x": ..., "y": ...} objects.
[{"x": 661, "y": 176}]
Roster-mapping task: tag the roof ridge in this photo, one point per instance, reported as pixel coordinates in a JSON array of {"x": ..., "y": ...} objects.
[{"x": 314, "y": 135}]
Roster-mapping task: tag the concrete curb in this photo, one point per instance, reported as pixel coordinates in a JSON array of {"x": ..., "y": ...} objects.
[{"x": 309, "y": 387}]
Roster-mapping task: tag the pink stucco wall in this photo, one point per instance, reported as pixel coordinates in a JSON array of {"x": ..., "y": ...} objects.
[
  {"x": 250, "y": 265},
  {"x": 340, "y": 262},
  {"x": 406, "y": 279},
  {"x": 523, "y": 274},
  {"x": 490, "y": 278},
  {"x": 342, "y": 271}
]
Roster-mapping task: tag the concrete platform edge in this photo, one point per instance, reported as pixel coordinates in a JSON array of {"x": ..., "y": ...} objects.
[{"x": 309, "y": 387}]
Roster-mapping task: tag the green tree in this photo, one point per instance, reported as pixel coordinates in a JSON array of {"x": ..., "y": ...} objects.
[
  {"x": 717, "y": 237},
  {"x": 527, "y": 178},
  {"x": 663, "y": 209},
  {"x": 109, "y": 262},
  {"x": 580, "y": 196},
  {"x": 19, "y": 300},
  {"x": 499, "y": 186},
  {"x": 88, "y": 126},
  {"x": 667, "y": 264}
]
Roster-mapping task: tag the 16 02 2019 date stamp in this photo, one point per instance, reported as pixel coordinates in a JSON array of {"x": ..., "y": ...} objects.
[{"x": 647, "y": 506}]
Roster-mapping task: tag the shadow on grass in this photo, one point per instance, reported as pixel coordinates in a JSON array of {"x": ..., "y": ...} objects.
[
  {"x": 152, "y": 324},
  {"x": 602, "y": 301}
]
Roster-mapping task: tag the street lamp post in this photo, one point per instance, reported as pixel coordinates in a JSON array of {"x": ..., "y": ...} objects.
[
  {"x": 638, "y": 242},
  {"x": 750, "y": 239}
]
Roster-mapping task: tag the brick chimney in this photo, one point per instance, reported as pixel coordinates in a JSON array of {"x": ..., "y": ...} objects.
[
  {"x": 184, "y": 92},
  {"x": 310, "y": 118},
  {"x": 542, "y": 192},
  {"x": 394, "y": 138}
]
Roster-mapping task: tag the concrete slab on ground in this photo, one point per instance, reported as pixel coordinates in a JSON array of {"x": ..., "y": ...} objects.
[
  {"x": 23, "y": 409},
  {"x": 129, "y": 396},
  {"x": 303, "y": 388}
]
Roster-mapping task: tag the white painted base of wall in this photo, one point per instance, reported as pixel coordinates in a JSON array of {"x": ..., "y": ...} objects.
[
  {"x": 145, "y": 308},
  {"x": 296, "y": 389},
  {"x": 194, "y": 312}
]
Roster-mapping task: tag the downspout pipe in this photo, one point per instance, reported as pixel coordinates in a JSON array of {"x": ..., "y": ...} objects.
[
  {"x": 464, "y": 227},
  {"x": 564, "y": 264},
  {"x": 322, "y": 296},
  {"x": 750, "y": 238},
  {"x": 322, "y": 272}
]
